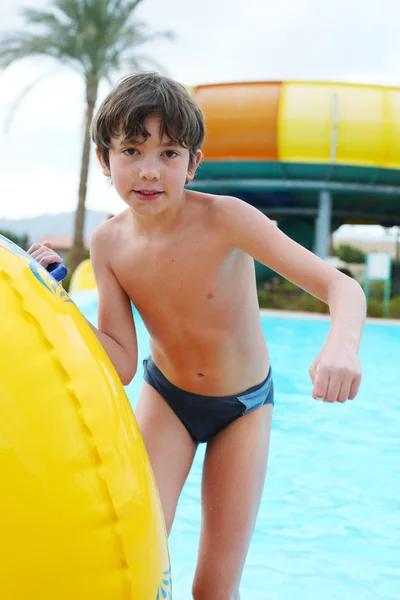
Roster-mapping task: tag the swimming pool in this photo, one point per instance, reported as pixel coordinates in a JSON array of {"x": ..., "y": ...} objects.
[{"x": 329, "y": 521}]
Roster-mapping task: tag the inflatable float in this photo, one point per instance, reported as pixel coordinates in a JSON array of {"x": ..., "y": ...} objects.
[
  {"x": 82, "y": 279},
  {"x": 80, "y": 515}
]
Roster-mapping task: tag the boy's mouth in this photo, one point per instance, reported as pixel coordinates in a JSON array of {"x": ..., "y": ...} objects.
[{"x": 148, "y": 194}]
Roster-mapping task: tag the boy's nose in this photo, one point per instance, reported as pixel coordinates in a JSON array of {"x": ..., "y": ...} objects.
[{"x": 150, "y": 172}]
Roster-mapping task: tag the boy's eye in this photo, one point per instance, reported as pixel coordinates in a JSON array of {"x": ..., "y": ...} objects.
[
  {"x": 129, "y": 151},
  {"x": 170, "y": 153}
]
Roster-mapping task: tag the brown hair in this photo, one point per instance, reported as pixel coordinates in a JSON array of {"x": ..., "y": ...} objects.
[{"x": 138, "y": 96}]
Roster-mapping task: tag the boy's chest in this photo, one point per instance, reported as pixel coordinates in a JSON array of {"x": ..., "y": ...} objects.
[{"x": 176, "y": 272}]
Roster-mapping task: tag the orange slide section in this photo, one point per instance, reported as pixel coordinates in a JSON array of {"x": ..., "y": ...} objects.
[{"x": 302, "y": 122}]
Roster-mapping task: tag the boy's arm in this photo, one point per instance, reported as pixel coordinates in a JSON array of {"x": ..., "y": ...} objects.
[
  {"x": 251, "y": 231},
  {"x": 116, "y": 328}
]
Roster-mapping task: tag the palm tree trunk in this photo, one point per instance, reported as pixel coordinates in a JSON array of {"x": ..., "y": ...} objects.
[{"x": 78, "y": 247}]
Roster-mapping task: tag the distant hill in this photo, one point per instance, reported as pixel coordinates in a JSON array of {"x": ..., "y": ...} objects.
[{"x": 58, "y": 224}]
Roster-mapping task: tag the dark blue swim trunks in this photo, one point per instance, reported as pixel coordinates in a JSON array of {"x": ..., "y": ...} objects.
[{"x": 205, "y": 416}]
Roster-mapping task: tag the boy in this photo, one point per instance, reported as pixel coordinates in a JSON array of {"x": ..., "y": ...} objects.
[{"x": 185, "y": 259}]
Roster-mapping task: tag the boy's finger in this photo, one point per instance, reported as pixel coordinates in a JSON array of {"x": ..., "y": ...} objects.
[
  {"x": 37, "y": 254},
  {"x": 320, "y": 383},
  {"x": 45, "y": 251},
  {"x": 333, "y": 390},
  {"x": 47, "y": 244},
  {"x": 354, "y": 388},
  {"x": 47, "y": 259},
  {"x": 344, "y": 391},
  {"x": 34, "y": 247}
]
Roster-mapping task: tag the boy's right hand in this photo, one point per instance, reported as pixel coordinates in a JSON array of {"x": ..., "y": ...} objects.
[{"x": 44, "y": 254}]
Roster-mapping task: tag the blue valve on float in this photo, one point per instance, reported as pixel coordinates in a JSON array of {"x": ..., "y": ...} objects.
[{"x": 57, "y": 270}]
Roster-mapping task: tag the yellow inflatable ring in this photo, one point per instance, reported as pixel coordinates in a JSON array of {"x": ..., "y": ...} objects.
[
  {"x": 80, "y": 516},
  {"x": 82, "y": 278}
]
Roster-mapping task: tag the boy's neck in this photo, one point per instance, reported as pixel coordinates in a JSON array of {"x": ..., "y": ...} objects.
[{"x": 163, "y": 222}]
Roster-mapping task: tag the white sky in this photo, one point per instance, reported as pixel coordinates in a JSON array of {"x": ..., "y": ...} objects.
[{"x": 216, "y": 40}]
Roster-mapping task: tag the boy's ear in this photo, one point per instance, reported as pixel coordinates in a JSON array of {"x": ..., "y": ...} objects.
[
  {"x": 191, "y": 172},
  {"x": 106, "y": 170}
]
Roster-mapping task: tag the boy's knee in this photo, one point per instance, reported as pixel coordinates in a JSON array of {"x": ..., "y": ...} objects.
[{"x": 212, "y": 589}]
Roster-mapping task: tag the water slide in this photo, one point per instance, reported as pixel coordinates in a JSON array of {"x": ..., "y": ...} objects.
[{"x": 311, "y": 155}]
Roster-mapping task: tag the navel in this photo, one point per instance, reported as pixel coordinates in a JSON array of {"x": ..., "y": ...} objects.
[{"x": 210, "y": 295}]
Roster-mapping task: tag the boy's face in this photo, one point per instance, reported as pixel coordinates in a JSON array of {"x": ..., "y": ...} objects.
[{"x": 149, "y": 176}]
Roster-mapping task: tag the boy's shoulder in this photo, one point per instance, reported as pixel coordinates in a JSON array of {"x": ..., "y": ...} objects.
[
  {"x": 228, "y": 217},
  {"x": 222, "y": 212},
  {"x": 214, "y": 204},
  {"x": 216, "y": 212},
  {"x": 108, "y": 231}
]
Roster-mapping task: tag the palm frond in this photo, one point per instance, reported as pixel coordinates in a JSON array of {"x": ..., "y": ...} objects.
[
  {"x": 17, "y": 103},
  {"x": 18, "y": 46},
  {"x": 126, "y": 41},
  {"x": 93, "y": 36},
  {"x": 39, "y": 17},
  {"x": 96, "y": 37},
  {"x": 115, "y": 7},
  {"x": 70, "y": 10}
]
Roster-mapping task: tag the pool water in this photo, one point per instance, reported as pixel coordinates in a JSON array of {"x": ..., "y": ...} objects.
[{"x": 329, "y": 520}]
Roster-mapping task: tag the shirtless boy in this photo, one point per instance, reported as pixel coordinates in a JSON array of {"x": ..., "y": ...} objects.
[{"x": 185, "y": 259}]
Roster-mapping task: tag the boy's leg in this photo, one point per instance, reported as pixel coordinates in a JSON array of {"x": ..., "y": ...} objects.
[
  {"x": 233, "y": 480},
  {"x": 170, "y": 448}
]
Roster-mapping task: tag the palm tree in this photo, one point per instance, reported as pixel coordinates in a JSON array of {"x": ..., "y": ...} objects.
[{"x": 95, "y": 37}]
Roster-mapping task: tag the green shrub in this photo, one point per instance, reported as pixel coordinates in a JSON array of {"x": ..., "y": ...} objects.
[
  {"x": 21, "y": 240},
  {"x": 375, "y": 308},
  {"x": 347, "y": 272},
  {"x": 309, "y": 303},
  {"x": 286, "y": 296},
  {"x": 394, "y": 308},
  {"x": 376, "y": 290},
  {"x": 300, "y": 301},
  {"x": 350, "y": 254},
  {"x": 265, "y": 299},
  {"x": 288, "y": 286}
]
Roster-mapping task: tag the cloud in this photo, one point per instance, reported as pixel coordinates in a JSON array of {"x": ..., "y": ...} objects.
[
  {"x": 290, "y": 39},
  {"x": 51, "y": 191},
  {"x": 216, "y": 40}
]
